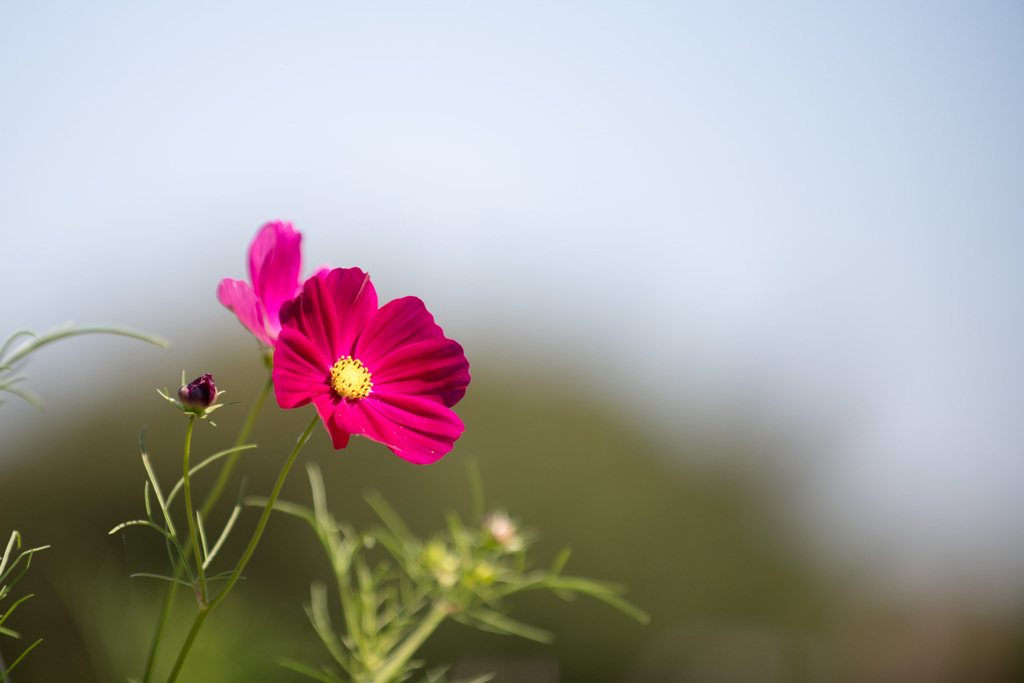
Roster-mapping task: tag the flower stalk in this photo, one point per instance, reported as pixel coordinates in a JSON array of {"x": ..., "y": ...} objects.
[
  {"x": 193, "y": 534},
  {"x": 208, "y": 504},
  {"x": 207, "y": 607},
  {"x": 243, "y": 435}
]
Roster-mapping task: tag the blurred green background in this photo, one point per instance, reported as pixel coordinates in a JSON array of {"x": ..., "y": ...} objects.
[{"x": 696, "y": 528}]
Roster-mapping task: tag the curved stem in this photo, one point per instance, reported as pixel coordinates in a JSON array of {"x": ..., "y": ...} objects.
[
  {"x": 243, "y": 436},
  {"x": 165, "y": 615},
  {"x": 191, "y": 516},
  {"x": 237, "y": 573},
  {"x": 187, "y": 645}
]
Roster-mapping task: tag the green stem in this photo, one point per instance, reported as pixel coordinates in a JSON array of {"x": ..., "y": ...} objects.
[
  {"x": 191, "y": 516},
  {"x": 237, "y": 573},
  {"x": 347, "y": 598},
  {"x": 243, "y": 436},
  {"x": 165, "y": 615},
  {"x": 396, "y": 662},
  {"x": 211, "y": 500},
  {"x": 187, "y": 645}
]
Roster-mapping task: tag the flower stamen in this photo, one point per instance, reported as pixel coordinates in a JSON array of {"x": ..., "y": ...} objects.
[{"x": 350, "y": 378}]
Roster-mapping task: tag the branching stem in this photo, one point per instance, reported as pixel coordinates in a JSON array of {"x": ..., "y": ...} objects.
[{"x": 205, "y": 609}]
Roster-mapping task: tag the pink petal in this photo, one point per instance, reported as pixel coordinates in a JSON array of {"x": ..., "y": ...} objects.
[
  {"x": 435, "y": 369},
  {"x": 408, "y": 353},
  {"x": 354, "y": 299},
  {"x": 415, "y": 429},
  {"x": 301, "y": 370},
  {"x": 332, "y": 310},
  {"x": 275, "y": 260},
  {"x": 339, "y": 437},
  {"x": 238, "y": 297},
  {"x": 397, "y": 323},
  {"x": 330, "y": 409}
]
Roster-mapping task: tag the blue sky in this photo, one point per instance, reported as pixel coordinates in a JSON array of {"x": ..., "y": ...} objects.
[{"x": 810, "y": 210}]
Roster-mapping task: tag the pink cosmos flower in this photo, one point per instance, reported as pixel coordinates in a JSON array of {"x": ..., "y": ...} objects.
[
  {"x": 387, "y": 373},
  {"x": 275, "y": 261}
]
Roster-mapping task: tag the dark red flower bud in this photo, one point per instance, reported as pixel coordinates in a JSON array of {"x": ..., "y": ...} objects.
[{"x": 199, "y": 393}]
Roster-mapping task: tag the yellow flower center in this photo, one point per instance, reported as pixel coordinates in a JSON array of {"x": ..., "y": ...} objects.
[{"x": 350, "y": 378}]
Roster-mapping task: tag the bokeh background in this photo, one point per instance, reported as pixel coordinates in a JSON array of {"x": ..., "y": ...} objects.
[{"x": 741, "y": 286}]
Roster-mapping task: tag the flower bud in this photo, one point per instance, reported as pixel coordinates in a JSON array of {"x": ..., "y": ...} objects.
[
  {"x": 198, "y": 394},
  {"x": 437, "y": 560},
  {"x": 483, "y": 574},
  {"x": 503, "y": 532}
]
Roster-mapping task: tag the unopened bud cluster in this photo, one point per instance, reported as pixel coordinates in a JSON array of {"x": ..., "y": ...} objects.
[{"x": 473, "y": 560}]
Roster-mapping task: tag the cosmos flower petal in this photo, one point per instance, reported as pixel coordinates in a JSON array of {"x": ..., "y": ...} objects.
[
  {"x": 333, "y": 411},
  {"x": 397, "y": 323},
  {"x": 239, "y": 298},
  {"x": 415, "y": 429},
  {"x": 332, "y": 310},
  {"x": 352, "y": 295},
  {"x": 339, "y": 437},
  {"x": 275, "y": 261},
  {"x": 298, "y": 370},
  {"x": 435, "y": 369},
  {"x": 346, "y": 419}
]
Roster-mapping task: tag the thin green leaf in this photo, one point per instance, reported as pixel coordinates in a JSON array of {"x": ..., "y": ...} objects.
[
  {"x": 10, "y": 342},
  {"x": 320, "y": 618},
  {"x": 15, "y": 663},
  {"x": 145, "y": 498},
  {"x": 11, "y": 610},
  {"x": 307, "y": 670},
  {"x": 23, "y": 394},
  {"x": 25, "y": 555},
  {"x": 142, "y": 522},
  {"x": 10, "y": 381},
  {"x": 319, "y": 493},
  {"x": 560, "y": 560},
  {"x": 367, "y": 597},
  {"x": 459, "y": 537},
  {"x": 390, "y": 518},
  {"x": 11, "y": 354},
  {"x": 56, "y": 334},
  {"x": 496, "y": 622},
  {"x": 223, "y": 535},
  {"x": 170, "y": 579},
  {"x": 213, "y": 458},
  {"x": 202, "y": 538},
  {"x": 606, "y": 592},
  {"x": 15, "y": 539},
  {"x": 288, "y": 508},
  {"x": 156, "y": 484},
  {"x": 227, "y": 574}
]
